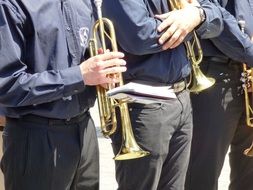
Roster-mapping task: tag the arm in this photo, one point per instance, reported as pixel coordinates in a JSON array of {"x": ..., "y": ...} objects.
[
  {"x": 213, "y": 25},
  {"x": 132, "y": 15},
  {"x": 176, "y": 29},
  {"x": 232, "y": 42},
  {"x": 19, "y": 86}
]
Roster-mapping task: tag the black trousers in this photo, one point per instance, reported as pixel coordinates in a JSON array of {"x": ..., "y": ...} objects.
[
  {"x": 42, "y": 154},
  {"x": 218, "y": 122},
  {"x": 165, "y": 130}
]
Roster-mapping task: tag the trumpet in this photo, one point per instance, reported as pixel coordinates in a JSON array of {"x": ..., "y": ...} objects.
[
  {"x": 104, "y": 29},
  {"x": 198, "y": 81},
  {"x": 248, "y": 87}
]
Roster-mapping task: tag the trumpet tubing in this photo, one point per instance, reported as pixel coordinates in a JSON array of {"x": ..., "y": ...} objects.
[
  {"x": 247, "y": 97},
  {"x": 104, "y": 29},
  {"x": 198, "y": 81}
]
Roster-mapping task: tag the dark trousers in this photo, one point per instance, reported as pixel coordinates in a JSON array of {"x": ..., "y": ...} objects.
[
  {"x": 42, "y": 154},
  {"x": 165, "y": 130},
  {"x": 218, "y": 122}
]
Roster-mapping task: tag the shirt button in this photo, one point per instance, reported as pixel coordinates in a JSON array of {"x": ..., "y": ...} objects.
[{"x": 68, "y": 28}]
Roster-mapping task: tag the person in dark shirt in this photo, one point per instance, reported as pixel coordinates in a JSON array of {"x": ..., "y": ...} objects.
[
  {"x": 163, "y": 129},
  {"x": 49, "y": 141},
  {"x": 219, "y": 112}
]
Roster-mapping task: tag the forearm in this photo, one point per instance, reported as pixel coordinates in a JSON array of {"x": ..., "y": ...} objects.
[
  {"x": 23, "y": 89},
  {"x": 213, "y": 25},
  {"x": 21, "y": 82},
  {"x": 232, "y": 42}
]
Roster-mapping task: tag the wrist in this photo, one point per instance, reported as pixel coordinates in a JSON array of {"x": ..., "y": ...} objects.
[
  {"x": 82, "y": 70},
  {"x": 202, "y": 14}
]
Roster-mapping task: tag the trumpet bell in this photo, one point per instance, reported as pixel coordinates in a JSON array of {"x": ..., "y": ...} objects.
[
  {"x": 133, "y": 152},
  {"x": 129, "y": 147},
  {"x": 200, "y": 82}
]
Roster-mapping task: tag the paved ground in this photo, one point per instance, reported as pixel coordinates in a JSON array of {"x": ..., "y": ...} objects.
[{"x": 107, "y": 164}]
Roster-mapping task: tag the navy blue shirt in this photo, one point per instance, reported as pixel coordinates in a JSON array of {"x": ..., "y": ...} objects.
[
  {"x": 137, "y": 36},
  {"x": 42, "y": 42},
  {"x": 232, "y": 42}
]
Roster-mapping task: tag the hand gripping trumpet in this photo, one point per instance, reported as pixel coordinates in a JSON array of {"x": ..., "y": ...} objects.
[
  {"x": 198, "y": 81},
  {"x": 248, "y": 90},
  {"x": 102, "y": 34}
]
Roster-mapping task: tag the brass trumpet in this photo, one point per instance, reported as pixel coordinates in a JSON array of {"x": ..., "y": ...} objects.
[
  {"x": 198, "y": 81},
  {"x": 104, "y": 29},
  {"x": 248, "y": 90}
]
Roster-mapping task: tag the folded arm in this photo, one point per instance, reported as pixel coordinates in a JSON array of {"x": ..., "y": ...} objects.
[
  {"x": 232, "y": 42},
  {"x": 134, "y": 16}
]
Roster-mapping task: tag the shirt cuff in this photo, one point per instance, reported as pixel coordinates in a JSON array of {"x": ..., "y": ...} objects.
[
  {"x": 211, "y": 27},
  {"x": 72, "y": 80}
]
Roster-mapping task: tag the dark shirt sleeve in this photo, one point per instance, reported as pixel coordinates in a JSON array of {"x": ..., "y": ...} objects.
[
  {"x": 244, "y": 11},
  {"x": 18, "y": 86},
  {"x": 213, "y": 25},
  {"x": 133, "y": 17},
  {"x": 232, "y": 42}
]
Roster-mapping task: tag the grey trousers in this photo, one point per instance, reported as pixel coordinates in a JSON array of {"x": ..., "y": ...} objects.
[
  {"x": 218, "y": 122},
  {"x": 165, "y": 130},
  {"x": 43, "y": 154}
]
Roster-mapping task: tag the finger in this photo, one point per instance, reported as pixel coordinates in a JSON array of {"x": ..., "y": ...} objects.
[
  {"x": 171, "y": 41},
  {"x": 178, "y": 41},
  {"x": 113, "y": 70},
  {"x": 100, "y": 51},
  {"x": 178, "y": 35},
  {"x": 111, "y": 63},
  {"x": 110, "y": 55},
  {"x": 162, "y": 16},
  {"x": 108, "y": 80},
  {"x": 165, "y": 23},
  {"x": 167, "y": 34}
]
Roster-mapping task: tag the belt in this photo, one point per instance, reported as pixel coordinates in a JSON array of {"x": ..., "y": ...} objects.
[
  {"x": 51, "y": 121},
  {"x": 179, "y": 86}
]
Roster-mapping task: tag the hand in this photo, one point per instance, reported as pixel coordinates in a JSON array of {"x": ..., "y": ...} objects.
[
  {"x": 96, "y": 70},
  {"x": 246, "y": 78},
  {"x": 177, "y": 24}
]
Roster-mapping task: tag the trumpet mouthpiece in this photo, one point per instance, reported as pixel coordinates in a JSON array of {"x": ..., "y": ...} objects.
[{"x": 98, "y": 3}]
